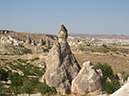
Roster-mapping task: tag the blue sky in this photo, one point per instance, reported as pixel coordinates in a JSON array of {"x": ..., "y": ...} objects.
[{"x": 79, "y": 16}]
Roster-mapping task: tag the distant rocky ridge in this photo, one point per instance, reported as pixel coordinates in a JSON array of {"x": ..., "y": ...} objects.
[
  {"x": 19, "y": 41},
  {"x": 21, "y": 36},
  {"x": 99, "y": 36}
]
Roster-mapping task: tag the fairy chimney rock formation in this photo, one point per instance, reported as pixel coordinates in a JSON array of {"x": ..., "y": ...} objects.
[
  {"x": 47, "y": 41},
  {"x": 62, "y": 66},
  {"x": 28, "y": 41},
  {"x": 41, "y": 41},
  {"x": 33, "y": 42}
]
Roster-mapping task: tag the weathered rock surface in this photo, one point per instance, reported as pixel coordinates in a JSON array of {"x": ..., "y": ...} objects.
[
  {"x": 62, "y": 35},
  {"x": 10, "y": 40},
  {"x": 47, "y": 41},
  {"x": 33, "y": 42},
  {"x": 41, "y": 42},
  {"x": 120, "y": 78},
  {"x": 62, "y": 66},
  {"x": 123, "y": 91},
  {"x": 88, "y": 79},
  {"x": 4, "y": 31},
  {"x": 28, "y": 41}
]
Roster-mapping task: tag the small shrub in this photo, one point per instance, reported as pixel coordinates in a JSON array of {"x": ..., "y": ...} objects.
[
  {"x": 87, "y": 91},
  {"x": 92, "y": 50},
  {"x": 106, "y": 70},
  {"x": 20, "y": 45},
  {"x": 16, "y": 82},
  {"x": 114, "y": 49},
  {"x": 19, "y": 59},
  {"x": 5, "y": 54},
  {"x": 82, "y": 48},
  {"x": 125, "y": 75},
  {"x": 43, "y": 88},
  {"x": 3, "y": 59},
  {"x": 3, "y": 75},
  {"x": 105, "y": 46},
  {"x": 111, "y": 87},
  {"x": 117, "y": 52},
  {"x": 37, "y": 58},
  {"x": 14, "y": 61}
]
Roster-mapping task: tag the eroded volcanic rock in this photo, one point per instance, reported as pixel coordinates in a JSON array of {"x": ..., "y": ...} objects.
[
  {"x": 88, "y": 79},
  {"x": 62, "y": 67}
]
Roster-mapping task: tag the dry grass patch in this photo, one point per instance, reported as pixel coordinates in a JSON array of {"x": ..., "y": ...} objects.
[{"x": 118, "y": 63}]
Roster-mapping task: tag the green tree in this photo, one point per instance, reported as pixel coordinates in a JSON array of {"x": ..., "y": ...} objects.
[
  {"x": 105, "y": 46},
  {"x": 3, "y": 75},
  {"x": 29, "y": 85},
  {"x": 111, "y": 87},
  {"x": 106, "y": 70},
  {"x": 16, "y": 82},
  {"x": 45, "y": 89}
]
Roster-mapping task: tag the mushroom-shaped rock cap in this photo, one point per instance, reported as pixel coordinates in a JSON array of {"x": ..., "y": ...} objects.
[{"x": 63, "y": 32}]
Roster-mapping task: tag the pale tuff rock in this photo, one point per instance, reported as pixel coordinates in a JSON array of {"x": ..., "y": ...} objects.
[
  {"x": 40, "y": 42},
  {"x": 88, "y": 79},
  {"x": 47, "y": 41},
  {"x": 10, "y": 40},
  {"x": 28, "y": 41},
  {"x": 120, "y": 78},
  {"x": 41, "y": 79},
  {"x": 33, "y": 42},
  {"x": 100, "y": 72},
  {"x": 128, "y": 80},
  {"x": 123, "y": 91},
  {"x": 108, "y": 79},
  {"x": 62, "y": 66},
  {"x": 4, "y": 31}
]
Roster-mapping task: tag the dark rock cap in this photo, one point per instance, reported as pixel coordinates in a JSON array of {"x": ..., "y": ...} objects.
[{"x": 63, "y": 32}]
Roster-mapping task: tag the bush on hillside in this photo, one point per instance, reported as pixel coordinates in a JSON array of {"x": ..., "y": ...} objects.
[
  {"x": 16, "y": 82},
  {"x": 111, "y": 87},
  {"x": 3, "y": 75},
  {"x": 106, "y": 70},
  {"x": 45, "y": 89},
  {"x": 46, "y": 49},
  {"x": 125, "y": 76}
]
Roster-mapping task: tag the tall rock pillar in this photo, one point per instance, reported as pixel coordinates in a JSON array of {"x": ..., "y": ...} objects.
[{"x": 62, "y": 67}]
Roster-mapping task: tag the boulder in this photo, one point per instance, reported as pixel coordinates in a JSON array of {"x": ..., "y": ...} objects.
[
  {"x": 87, "y": 80},
  {"x": 62, "y": 67},
  {"x": 119, "y": 77}
]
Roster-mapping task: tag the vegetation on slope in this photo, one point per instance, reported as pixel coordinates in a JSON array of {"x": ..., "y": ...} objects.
[
  {"x": 23, "y": 83},
  {"x": 107, "y": 71}
]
